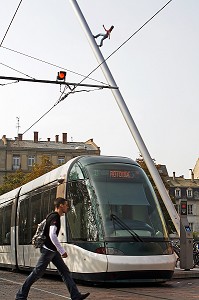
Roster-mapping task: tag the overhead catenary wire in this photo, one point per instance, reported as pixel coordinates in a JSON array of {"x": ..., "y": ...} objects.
[
  {"x": 32, "y": 57},
  {"x": 5, "y": 37},
  {"x": 150, "y": 19},
  {"x": 73, "y": 90},
  {"x": 123, "y": 43},
  {"x": 16, "y": 70},
  {"x": 56, "y": 103},
  {"x": 2, "y": 84},
  {"x": 51, "y": 64},
  {"x": 10, "y": 23}
]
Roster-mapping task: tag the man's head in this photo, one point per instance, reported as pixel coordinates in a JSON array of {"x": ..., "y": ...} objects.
[{"x": 61, "y": 205}]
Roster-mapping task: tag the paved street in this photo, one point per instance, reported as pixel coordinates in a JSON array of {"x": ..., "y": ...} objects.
[{"x": 51, "y": 288}]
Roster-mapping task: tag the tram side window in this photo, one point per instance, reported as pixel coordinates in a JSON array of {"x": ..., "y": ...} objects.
[
  {"x": 32, "y": 211},
  {"x": 5, "y": 221},
  {"x": 7, "y": 224},
  {"x": 24, "y": 222},
  {"x": 80, "y": 217},
  {"x": 1, "y": 227},
  {"x": 48, "y": 198},
  {"x": 53, "y": 194},
  {"x": 35, "y": 208},
  {"x": 45, "y": 204}
]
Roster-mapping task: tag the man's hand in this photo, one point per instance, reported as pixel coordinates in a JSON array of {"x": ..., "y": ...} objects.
[{"x": 65, "y": 255}]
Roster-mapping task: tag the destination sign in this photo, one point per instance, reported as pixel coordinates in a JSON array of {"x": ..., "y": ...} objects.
[
  {"x": 120, "y": 174},
  {"x": 116, "y": 174}
]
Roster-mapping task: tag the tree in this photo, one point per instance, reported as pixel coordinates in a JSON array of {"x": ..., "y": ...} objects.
[
  {"x": 40, "y": 169},
  {"x": 164, "y": 177},
  {"x": 19, "y": 178},
  {"x": 12, "y": 181}
]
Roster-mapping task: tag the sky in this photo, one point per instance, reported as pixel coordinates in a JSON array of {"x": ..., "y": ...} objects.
[{"x": 156, "y": 72}]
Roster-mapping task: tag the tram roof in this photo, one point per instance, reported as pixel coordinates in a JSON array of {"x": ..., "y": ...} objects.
[
  {"x": 87, "y": 160},
  {"x": 61, "y": 172}
]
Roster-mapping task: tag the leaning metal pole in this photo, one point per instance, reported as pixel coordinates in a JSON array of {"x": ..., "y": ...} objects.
[{"x": 128, "y": 118}]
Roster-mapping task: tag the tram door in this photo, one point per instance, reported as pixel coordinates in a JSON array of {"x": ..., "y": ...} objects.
[
  {"x": 29, "y": 216},
  {"x": 23, "y": 226},
  {"x": 33, "y": 208},
  {"x": 6, "y": 253}
]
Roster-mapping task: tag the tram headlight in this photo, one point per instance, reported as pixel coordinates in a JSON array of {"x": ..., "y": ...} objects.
[{"x": 109, "y": 251}]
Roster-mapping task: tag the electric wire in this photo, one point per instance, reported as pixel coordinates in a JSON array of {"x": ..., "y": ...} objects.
[
  {"x": 10, "y": 23},
  {"x": 72, "y": 90},
  {"x": 50, "y": 64},
  {"x": 122, "y": 44},
  {"x": 29, "y": 56},
  {"x": 39, "y": 119},
  {"x": 5, "y": 37},
  {"x": 16, "y": 70},
  {"x": 56, "y": 103},
  {"x": 137, "y": 30},
  {"x": 2, "y": 84}
]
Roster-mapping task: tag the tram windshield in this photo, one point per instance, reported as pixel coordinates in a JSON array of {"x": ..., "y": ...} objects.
[{"x": 127, "y": 202}]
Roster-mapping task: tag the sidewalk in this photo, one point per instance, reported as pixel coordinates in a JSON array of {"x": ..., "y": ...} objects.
[{"x": 180, "y": 273}]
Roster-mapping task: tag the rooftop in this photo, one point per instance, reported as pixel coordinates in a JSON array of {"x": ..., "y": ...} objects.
[{"x": 36, "y": 143}]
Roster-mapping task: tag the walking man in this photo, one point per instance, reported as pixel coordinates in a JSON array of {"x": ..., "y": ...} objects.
[
  {"x": 52, "y": 251},
  {"x": 104, "y": 35}
]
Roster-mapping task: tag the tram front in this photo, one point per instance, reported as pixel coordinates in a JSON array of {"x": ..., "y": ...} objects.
[{"x": 124, "y": 221}]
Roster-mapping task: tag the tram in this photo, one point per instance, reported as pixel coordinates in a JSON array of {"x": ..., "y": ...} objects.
[{"x": 113, "y": 232}]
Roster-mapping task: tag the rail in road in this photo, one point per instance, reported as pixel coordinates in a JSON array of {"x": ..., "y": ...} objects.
[{"x": 52, "y": 288}]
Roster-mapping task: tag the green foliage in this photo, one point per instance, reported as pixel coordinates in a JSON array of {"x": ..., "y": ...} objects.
[
  {"x": 19, "y": 178},
  {"x": 12, "y": 181},
  {"x": 196, "y": 235},
  {"x": 40, "y": 169},
  {"x": 169, "y": 223}
]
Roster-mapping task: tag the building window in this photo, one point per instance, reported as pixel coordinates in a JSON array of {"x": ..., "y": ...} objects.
[
  {"x": 190, "y": 209},
  {"x": 61, "y": 160},
  {"x": 16, "y": 162},
  {"x": 189, "y": 193},
  {"x": 191, "y": 226},
  {"x": 196, "y": 195},
  {"x": 177, "y": 193},
  {"x": 31, "y": 160}
]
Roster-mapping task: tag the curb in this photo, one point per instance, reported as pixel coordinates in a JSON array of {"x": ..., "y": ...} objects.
[{"x": 180, "y": 273}]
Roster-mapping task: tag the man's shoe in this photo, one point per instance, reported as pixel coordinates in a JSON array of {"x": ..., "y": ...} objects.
[{"x": 84, "y": 296}]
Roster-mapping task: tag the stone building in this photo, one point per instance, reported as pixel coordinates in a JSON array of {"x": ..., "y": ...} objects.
[
  {"x": 23, "y": 154},
  {"x": 186, "y": 189},
  {"x": 180, "y": 188}
]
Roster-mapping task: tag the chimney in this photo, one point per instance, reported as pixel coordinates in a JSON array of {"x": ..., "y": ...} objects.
[
  {"x": 48, "y": 139},
  {"x": 192, "y": 175},
  {"x": 20, "y": 136},
  {"x": 57, "y": 138},
  {"x": 35, "y": 136},
  {"x": 174, "y": 175},
  {"x": 64, "y": 138},
  {"x": 4, "y": 139}
]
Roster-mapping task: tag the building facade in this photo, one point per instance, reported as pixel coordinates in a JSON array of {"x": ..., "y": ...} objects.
[
  {"x": 22, "y": 154},
  {"x": 186, "y": 189},
  {"x": 180, "y": 188}
]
